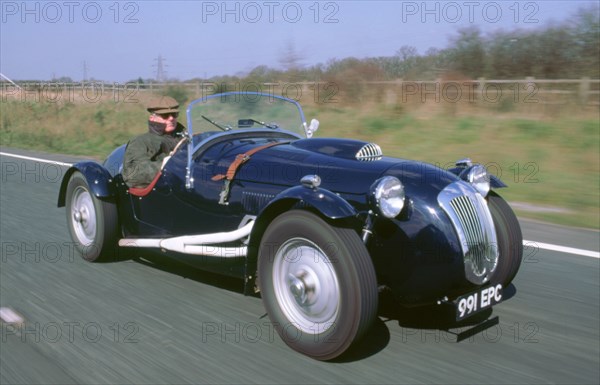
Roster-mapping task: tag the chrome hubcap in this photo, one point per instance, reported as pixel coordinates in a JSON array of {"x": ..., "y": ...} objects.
[
  {"x": 306, "y": 285},
  {"x": 302, "y": 287},
  {"x": 83, "y": 216}
]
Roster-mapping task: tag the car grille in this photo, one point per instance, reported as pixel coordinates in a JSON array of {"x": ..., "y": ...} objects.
[{"x": 474, "y": 226}]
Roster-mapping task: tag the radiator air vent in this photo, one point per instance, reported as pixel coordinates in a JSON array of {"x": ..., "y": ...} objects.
[{"x": 369, "y": 152}]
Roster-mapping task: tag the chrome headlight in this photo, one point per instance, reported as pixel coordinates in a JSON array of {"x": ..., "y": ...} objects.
[
  {"x": 388, "y": 196},
  {"x": 477, "y": 176}
]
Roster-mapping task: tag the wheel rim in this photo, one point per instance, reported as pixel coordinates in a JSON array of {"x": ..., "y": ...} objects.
[
  {"x": 306, "y": 285},
  {"x": 83, "y": 216}
]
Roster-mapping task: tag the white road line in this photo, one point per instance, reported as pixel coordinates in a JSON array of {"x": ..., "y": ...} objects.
[
  {"x": 562, "y": 249},
  {"x": 10, "y": 316},
  {"x": 541, "y": 245},
  {"x": 37, "y": 159}
]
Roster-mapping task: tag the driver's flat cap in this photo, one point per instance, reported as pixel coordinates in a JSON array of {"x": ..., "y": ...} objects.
[{"x": 163, "y": 105}]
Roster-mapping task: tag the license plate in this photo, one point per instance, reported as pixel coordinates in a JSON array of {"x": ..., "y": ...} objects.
[{"x": 472, "y": 303}]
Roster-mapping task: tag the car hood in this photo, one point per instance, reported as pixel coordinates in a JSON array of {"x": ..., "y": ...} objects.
[{"x": 334, "y": 160}]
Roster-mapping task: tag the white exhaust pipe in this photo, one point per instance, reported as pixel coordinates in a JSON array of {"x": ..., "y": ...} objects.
[{"x": 203, "y": 244}]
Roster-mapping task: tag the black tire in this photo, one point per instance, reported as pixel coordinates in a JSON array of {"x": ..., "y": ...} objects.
[
  {"x": 510, "y": 240},
  {"x": 317, "y": 284},
  {"x": 92, "y": 223}
]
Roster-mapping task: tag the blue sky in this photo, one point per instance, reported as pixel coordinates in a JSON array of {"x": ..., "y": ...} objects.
[{"x": 120, "y": 40}]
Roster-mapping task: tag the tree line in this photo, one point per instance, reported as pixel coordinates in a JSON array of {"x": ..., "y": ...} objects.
[{"x": 566, "y": 50}]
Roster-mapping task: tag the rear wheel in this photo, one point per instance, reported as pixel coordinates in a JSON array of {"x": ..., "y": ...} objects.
[
  {"x": 510, "y": 240},
  {"x": 317, "y": 283},
  {"x": 92, "y": 222}
]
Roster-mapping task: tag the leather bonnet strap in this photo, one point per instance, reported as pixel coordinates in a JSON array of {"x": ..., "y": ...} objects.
[{"x": 241, "y": 159}]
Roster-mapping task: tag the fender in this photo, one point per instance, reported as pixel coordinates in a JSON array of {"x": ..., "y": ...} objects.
[
  {"x": 496, "y": 182},
  {"x": 98, "y": 178},
  {"x": 327, "y": 203}
]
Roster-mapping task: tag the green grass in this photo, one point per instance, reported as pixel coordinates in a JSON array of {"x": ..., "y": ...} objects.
[{"x": 545, "y": 161}]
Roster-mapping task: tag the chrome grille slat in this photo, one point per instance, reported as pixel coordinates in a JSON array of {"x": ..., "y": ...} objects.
[
  {"x": 473, "y": 219},
  {"x": 473, "y": 223}
]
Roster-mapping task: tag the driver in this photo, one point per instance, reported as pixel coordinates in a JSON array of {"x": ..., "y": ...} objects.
[{"x": 146, "y": 154}]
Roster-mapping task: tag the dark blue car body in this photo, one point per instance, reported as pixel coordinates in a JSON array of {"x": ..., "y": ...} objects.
[{"x": 420, "y": 254}]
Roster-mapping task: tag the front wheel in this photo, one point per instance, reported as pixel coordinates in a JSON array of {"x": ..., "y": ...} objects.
[
  {"x": 317, "y": 283},
  {"x": 510, "y": 240},
  {"x": 92, "y": 222}
]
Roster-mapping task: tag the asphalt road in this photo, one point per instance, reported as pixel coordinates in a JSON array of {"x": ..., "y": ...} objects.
[{"x": 153, "y": 322}]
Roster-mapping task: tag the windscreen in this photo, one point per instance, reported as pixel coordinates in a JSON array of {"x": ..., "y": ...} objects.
[{"x": 243, "y": 111}]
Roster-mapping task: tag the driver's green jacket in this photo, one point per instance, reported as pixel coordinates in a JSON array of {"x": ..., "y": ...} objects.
[{"x": 144, "y": 155}]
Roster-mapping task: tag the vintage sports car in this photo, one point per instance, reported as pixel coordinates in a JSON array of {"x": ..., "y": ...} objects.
[{"x": 318, "y": 225}]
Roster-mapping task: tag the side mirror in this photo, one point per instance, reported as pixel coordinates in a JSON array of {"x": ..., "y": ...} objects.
[{"x": 312, "y": 128}]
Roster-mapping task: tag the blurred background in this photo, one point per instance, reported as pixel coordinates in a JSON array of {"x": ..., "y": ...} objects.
[{"x": 513, "y": 85}]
